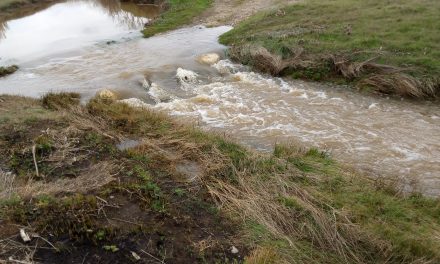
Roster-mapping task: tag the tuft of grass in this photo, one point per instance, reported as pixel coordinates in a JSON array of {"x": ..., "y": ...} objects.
[
  {"x": 78, "y": 215},
  {"x": 324, "y": 213},
  {"x": 128, "y": 119},
  {"x": 262, "y": 255},
  {"x": 57, "y": 101},
  {"x": 392, "y": 46},
  {"x": 6, "y": 4},
  {"x": 180, "y": 12}
]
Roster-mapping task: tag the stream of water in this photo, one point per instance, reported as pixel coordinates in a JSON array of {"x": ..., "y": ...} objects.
[{"x": 56, "y": 51}]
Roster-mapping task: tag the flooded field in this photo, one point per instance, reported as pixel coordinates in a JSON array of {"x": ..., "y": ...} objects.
[{"x": 104, "y": 49}]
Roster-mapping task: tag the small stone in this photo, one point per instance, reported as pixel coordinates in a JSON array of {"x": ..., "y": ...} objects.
[
  {"x": 24, "y": 236},
  {"x": 234, "y": 250},
  {"x": 186, "y": 76},
  {"x": 107, "y": 94},
  {"x": 135, "y": 255}
]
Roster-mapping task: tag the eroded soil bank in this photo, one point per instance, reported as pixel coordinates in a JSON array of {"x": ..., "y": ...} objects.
[{"x": 390, "y": 48}]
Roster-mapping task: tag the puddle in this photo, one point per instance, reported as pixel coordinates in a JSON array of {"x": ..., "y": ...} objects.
[{"x": 67, "y": 26}]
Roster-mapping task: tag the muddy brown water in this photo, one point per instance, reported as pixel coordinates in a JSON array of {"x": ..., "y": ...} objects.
[{"x": 380, "y": 136}]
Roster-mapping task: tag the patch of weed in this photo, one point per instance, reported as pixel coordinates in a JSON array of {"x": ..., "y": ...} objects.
[{"x": 181, "y": 12}]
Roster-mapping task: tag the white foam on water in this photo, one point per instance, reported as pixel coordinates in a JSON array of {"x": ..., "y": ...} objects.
[
  {"x": 225, "y": 67},
  {"x": 186, "y": 76},
  {"x": 262, "y": 110},
  {"x": 135, "y": 102},
  {"x": 373, "y": 105},
  {"x": 158, "y": 94}
]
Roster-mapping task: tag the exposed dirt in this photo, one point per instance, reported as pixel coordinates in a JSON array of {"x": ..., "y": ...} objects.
[
  {"x": 230, "y": 12},
  {"x": 117, "y": 206}
]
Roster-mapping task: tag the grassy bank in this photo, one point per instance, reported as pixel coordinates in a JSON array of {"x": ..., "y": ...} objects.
[
  {"x": 180, "y": 195},
  {"x": 392, "y": 47},
  {"x": 180, "y": 13},
  {"x": 5, "y": 4}
]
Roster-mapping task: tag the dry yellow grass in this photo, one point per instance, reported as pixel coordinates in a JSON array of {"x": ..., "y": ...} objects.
[
  {"x": 264, "y": 256},
  {"x": 94, "y": 178}
]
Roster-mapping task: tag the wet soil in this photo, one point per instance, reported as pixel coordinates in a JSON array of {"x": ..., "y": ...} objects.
[{"x": 147, "y": 214}]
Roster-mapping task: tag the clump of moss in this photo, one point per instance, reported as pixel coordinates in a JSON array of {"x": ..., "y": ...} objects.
[{"x": 8, "y": 70}]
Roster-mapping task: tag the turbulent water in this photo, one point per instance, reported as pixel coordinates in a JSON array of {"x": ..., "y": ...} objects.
[{"x": 380, "y": 136}]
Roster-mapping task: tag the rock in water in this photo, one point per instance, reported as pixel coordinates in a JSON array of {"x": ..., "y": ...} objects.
[
  {"x": 106, "y": 94},
  {"x": 186, "y": 76},
  {"x": 146, "y": 83},
  {"x": 158, "y": 94},
  {"x": 209, "y": 59}
]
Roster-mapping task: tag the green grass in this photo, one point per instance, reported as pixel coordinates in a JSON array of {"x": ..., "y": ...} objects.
[
  {"x": 406, "y": 225},
  {"x": 181, "y": 12},
  {"x": 4, "y": 4},
  {"x": 290, "y": 203},
  {"x": 60, "y": 100},
  {"x": 400, "y": 33}
]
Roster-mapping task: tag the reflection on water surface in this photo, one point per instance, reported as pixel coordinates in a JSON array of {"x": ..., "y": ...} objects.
[{"x": 68, "y": 25}]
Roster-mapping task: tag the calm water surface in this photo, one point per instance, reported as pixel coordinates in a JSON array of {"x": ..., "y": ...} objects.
[{"x": 69, "y": 26}]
